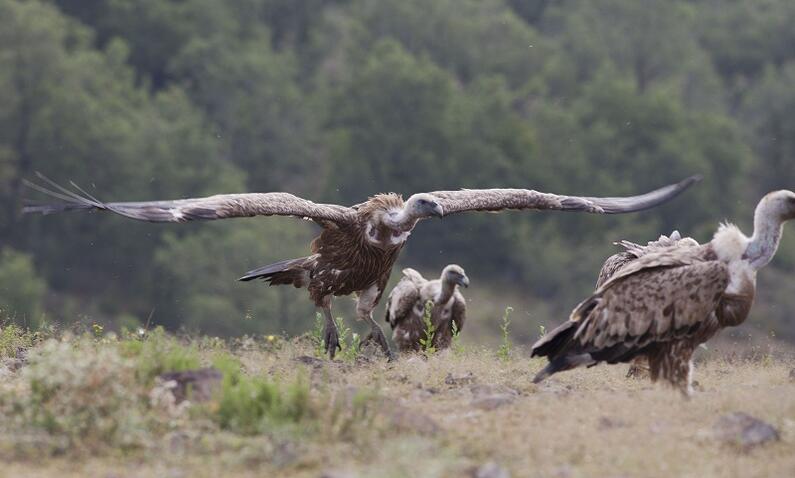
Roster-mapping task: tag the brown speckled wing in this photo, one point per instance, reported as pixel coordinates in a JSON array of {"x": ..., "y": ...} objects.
[{"x": 652, "y": 305}]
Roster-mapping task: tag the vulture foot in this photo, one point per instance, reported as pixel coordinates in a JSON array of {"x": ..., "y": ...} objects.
[
  {"x": 332, "y": 340},
  {"x": 377, "y": 336}
]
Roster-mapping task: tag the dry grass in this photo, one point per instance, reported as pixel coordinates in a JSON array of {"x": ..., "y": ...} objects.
[{"x": 370, "y": 418}]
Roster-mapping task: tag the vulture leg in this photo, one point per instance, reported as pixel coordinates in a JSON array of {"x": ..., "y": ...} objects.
[
  {"x": 330, "y": 336},
  {"x": 364, "y": 311},
  {"x": 673, "y": 363}
]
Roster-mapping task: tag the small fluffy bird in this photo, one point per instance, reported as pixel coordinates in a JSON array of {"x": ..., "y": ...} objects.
[
  {"x": 405, "y": 308},
  {"x": 665, "y": 303}
]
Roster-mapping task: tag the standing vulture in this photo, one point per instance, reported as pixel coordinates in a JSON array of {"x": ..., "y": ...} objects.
[
  {"x": 632, "y": 251},
  {"x": 665, "y": 303},
  {"x": 405, "y": 308},
  {"x": 358, "y": 245}
]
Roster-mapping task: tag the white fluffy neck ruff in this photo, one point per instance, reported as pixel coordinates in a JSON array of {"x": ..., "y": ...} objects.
[{"x": 729, "y": 243}]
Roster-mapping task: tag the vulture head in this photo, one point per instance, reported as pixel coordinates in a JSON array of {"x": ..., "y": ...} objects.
[
  {"x": 422, "y": 205},
  {"x": 455, "y": 274},
  {"x": 778, "y": 206}
]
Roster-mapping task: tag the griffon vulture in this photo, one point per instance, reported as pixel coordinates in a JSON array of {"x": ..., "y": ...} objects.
[
  {"x": 664, "y": 304},
  {"x": 405, "y": 308},
  {"x": 357, "y": 245}
]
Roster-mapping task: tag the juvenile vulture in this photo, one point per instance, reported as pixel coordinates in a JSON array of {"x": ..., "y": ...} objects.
[
  {"x": 666, "y": 302},
  {"x": 405, "y": 308},
  {"x": 358, "y": 245}
]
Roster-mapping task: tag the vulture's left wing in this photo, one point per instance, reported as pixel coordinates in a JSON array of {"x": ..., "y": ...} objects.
[
  {"x": 501, "y": 199},
  {"x": 221, "y": 206}
]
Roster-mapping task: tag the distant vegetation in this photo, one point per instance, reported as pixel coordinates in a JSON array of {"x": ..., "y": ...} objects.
[{"x": 335, "y": 100}]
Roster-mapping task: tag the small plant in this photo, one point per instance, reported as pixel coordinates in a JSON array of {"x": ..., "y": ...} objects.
[
  {"x": 12, "y": 339},
  {"x": 97, "y": 330},
  {"x": 504, "y": 352},
  {"x": 429, "y": 331},
  {"x": 157, "y": 353},
  {"x": 542, "y": 331},
  {"x": 316, "y": 335},
  {"x": 456, "y": 345}
]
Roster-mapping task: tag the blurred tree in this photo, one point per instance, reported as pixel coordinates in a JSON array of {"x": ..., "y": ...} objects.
[{"x": 21, "y": 289}]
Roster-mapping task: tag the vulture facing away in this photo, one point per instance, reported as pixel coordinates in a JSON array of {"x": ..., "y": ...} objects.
[
  {"x": 357, "y": 245},
  {"x": 632, "y": 251},
  {"x": 665, "y": 303},
  {"x": 405, "y": 308}
]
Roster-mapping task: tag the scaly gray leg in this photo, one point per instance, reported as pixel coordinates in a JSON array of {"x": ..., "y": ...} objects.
[
  {"x": 330, "y": 336},
  {"x": 364, "y": 310}
]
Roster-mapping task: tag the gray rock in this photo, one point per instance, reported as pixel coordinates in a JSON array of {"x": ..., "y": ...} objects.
[
  {"x": 743, "y": 430},
  {"x": 196, "y": 385},
  {"x": 491, "y": 402},
  {"x": 792, "y": 375},
  {"x": 490, "y": 470},
  {"x": 457, "y": 380}
]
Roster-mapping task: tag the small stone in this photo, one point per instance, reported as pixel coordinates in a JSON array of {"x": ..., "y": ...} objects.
[
  {"x": 197, "y": 385},
  {"x": 458, "y": 380},
  {"x": 607, "y": 423},
  {"x": 481, "y": 390},
  {"x": 490, "y": 470},
  {"x": 407, "y": 420},
  {"x": 743, "y": 430},
  {"x": 308, "y": 360},
  {"x": 491, "y": 402},
  {"x": 792, "y": 375}
]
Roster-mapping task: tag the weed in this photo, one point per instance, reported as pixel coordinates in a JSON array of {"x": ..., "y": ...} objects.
[
  {"x": 455, "y": 344},
  {"x": 12, "y": 339},
  {"x": 542, "y": 331},
  {"x": 157, "y": 353},
  {"x": 429, "y": 329},
  {"x": 504, "y": 352}
]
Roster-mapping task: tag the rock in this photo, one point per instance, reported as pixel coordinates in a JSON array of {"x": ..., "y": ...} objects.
[
  {"x": 792, "y": 375},
  {"x": 306, "y": 359},
  {"x": 491, "y": 402},
  {"x": 743, "y": 430},
  {"x": 481, "y": 390},
  {"x": 458, "y": 380},
  {"x": 197, "y": 385},
  {"x": 404, "y": 419},
  {"x": 607, "y": 423},
  {"x": 489, "y": 470}
]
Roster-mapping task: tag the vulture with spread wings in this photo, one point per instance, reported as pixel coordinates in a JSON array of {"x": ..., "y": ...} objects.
[
  {"x": 358, "y": 245},
  {"x": 664, "y": 302}
]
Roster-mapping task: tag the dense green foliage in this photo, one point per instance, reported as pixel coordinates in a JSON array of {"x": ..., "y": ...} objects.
[{"x": 335, "y": 100}]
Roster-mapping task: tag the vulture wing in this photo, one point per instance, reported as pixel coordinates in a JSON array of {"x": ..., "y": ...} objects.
[
  {"x": 404, "y": 297},
  {"x": 501, "y": 199},
  {"x": 659, "y": 297},
  {"x": 221, "y": 206}
]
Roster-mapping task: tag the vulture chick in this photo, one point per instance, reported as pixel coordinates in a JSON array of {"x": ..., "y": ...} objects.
[
  {"x": 357, "y": 245},
  {"x": 667, "y": 302},
  {"x": 405, "y": 308}
]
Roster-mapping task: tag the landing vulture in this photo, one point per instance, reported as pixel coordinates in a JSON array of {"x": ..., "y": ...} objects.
[
  {"x": 358, "y": 245},
  {"x": 665, "y": 303},
  {"x": 405, "y": 308}
]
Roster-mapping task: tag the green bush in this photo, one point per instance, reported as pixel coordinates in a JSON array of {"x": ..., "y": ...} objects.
[
  {"x": 156, "y": 352},
  {"x": 21, "y": 290}
]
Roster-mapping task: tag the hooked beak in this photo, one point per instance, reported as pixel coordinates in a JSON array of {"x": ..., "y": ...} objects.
[
  {"x": 437, "y": 210},
  {"x": 464, "y": 281}
]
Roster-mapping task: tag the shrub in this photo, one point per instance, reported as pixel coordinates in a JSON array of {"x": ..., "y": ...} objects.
[{"x": 157, "y": 352}]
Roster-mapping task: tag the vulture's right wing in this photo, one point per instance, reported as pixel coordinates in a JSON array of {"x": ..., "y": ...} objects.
[{"x": 221, "y": 206}]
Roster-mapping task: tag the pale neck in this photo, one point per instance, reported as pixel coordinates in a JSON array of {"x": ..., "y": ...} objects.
[
  {"x": 446, "y": 292},
  {"x": 402, "y": 221},
  {"x": 767, "y": 235}
]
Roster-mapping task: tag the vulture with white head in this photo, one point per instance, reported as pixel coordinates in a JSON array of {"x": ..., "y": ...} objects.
[
  {"x": 405, "y": 308},
  {"x": 357, "y": 245},
  {"x": 667, "y": 302}
]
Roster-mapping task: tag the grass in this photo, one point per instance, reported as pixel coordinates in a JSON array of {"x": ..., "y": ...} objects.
[{"x": 89, "y": 406}]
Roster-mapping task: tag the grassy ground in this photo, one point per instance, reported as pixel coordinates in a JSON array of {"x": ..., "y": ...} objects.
[{"x": 90, "y": 405}]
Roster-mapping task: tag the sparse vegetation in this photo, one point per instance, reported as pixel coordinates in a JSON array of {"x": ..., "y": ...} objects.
[
  {"x": 91, "y": 406},
  {"x": 429, "y": 329},
  {"x": 504, "y": 352}
]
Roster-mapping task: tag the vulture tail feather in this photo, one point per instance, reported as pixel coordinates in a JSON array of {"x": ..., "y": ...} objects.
[{"x": 288, "y": 271}]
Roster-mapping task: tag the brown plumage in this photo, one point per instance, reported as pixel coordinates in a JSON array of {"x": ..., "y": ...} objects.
[
  {"x": 664, "y": 303},
  {"x": 405, "y": 308},
  {"x": 358, "y": 245}
]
